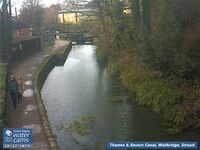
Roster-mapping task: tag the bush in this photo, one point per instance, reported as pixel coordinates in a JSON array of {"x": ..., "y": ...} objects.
[
  {"x": 3, "y": 73},
  {"x": 103, "y": 47},
  {"x": 102, "y": 56},
  {"x": 151, "y": 90},
  {"x": 63, "y": 35},
  {"x": 114, "y": 68},
  {"x": 166, "y": 91},
  {"x": 162, "y": 95},
  {"x": 183, "y": 66}
]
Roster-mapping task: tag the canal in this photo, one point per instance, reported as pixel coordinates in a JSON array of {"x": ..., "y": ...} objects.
[{"x": 82, "y": 87}]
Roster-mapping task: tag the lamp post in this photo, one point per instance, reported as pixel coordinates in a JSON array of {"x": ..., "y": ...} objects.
[{"x": 30, "y": 30}]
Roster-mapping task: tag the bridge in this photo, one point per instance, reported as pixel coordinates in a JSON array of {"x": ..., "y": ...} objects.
[{"x": 80, "y": 38}]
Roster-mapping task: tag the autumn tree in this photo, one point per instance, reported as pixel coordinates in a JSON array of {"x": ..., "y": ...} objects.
[{"x": 50, "y": 17}]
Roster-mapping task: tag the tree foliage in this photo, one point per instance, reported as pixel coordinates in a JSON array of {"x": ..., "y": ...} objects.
[
  {"x": 50, "y": 18},
  {"x": 157, "y": 47}
]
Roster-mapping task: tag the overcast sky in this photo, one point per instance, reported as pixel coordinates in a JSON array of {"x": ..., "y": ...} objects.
[{"x": 18, "y": 3}]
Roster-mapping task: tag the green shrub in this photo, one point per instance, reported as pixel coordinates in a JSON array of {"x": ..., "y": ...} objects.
[
  {"x": 63, "y": 35},
  {"x": 114, "y": 68},
  {"x": 120, "y": 98},
  {"x": 80, "y": 126},
  {"x": 162, "y": 95},
  {"x": 102, "y": 56},
  {"x": 183, "y": 66}
]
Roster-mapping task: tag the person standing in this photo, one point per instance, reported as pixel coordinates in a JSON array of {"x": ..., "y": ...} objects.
[
  {"x": 21, "y": 87},
  {"x": 13, "y": 88}
]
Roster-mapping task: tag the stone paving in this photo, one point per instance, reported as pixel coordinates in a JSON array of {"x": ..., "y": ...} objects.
[{"x": 27, "y": 113}]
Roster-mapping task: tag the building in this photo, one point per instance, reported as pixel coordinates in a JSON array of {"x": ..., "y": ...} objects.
[
  {"x": 72, "y": 16},
  {"x": 19, "y": 28},
  {"x": 65, "y": 16}
]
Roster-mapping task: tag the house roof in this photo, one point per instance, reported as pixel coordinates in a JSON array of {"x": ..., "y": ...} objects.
[{"x": 17, "y": 24}]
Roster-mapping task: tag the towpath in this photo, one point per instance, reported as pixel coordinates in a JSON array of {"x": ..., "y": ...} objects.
[{"x": 27, "y": 113}]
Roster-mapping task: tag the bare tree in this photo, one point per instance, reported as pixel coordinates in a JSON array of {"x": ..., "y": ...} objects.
[
  {"x": 32, "y": 14},
  {"x": 5, "y": 30}
]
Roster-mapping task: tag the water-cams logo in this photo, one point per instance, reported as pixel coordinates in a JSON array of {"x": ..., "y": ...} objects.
[
  {"x": 17, "y": 138},
  {"x": 8, "y": 133}
]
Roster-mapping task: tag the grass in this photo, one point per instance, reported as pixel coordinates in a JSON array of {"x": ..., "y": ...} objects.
[
  {"x": 114, "y": 67},
  {"x": 150, "y": 88},
  {"x": 80, "y": 126},
  {"x": 47, "y": 45},
  {"x": 119, "y": 98},
  {"x": 63, "y": 35}
]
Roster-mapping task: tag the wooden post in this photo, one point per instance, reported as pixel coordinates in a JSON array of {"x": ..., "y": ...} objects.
[
  {"x": 16, "y": 13},
  {"x": 76, "y": 17},
  {"x": 10, "y": 9},
  {"x": 63, "y": 16}
]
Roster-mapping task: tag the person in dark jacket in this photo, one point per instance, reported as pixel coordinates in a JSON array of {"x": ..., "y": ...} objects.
[
  {"x": 13, "y": 88},
  {"x": 20, "y": 89}
]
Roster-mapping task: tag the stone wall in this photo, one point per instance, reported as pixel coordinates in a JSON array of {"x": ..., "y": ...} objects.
[{"x": 39, "y": 79}]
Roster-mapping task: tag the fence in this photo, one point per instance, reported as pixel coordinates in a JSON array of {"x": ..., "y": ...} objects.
[{"x": 47, "y": 38}]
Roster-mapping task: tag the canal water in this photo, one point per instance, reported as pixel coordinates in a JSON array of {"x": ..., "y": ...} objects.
[{"x": 82, "y": 87}]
